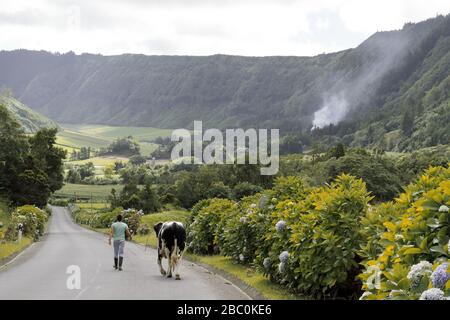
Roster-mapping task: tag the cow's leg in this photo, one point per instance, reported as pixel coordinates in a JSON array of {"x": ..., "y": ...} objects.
[
  {"x": 161, "y": 269},
  {"x": 177, "y": 272},
  {"x": 169, "y": 258}
]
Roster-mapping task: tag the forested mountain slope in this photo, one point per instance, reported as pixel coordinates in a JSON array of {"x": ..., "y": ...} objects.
[
  {"x": 30, "y": 120},
  {"x": 391, "y": 91}
]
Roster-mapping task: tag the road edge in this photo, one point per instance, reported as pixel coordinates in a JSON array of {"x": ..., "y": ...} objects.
[{"x": 251, "y": 292}]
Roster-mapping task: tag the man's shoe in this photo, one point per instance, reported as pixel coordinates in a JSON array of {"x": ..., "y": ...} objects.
[
  {"x": 115, "y": 263},
  {"x": 120, "y": 263}
]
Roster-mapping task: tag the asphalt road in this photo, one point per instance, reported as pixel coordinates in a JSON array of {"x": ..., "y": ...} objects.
[{"x": 40, "y": 272}]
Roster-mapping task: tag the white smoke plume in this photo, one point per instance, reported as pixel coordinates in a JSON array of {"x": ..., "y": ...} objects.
[
  {"x": 333, "y": 111},
  {"x": 382, "y": 53}
]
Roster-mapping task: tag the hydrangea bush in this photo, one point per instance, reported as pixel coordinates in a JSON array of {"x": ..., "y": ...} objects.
[
  {"x": 33, "y": 220},
  {"x": 407, "y": 251},
  {"x": 206, "y": 228}
]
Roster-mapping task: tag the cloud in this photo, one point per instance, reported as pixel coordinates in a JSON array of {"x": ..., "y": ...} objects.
[{"x": 203, "y": 27}]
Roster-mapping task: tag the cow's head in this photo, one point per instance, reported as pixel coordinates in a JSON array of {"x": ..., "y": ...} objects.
[{"x": 157, "y": 227}]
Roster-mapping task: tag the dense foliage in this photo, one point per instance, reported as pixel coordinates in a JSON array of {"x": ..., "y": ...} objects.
[
  {"x": 330, "y": 242},
  {"x": 31, "y": 168},
  {"x": 123, "y": 146},
  {"x": 304, "y": 238}
]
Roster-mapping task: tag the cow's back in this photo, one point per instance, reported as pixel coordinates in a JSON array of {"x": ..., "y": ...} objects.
[{"x": 172, "y": 231}]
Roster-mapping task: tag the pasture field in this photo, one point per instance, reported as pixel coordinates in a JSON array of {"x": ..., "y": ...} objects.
[
  {"x": 71, "y": 139},
  {"x": 100, "y": 161},
  {"x": 142, "y": 134},
  {"x": 86, "y": 191},
  {"x": 74, "y": 136}
]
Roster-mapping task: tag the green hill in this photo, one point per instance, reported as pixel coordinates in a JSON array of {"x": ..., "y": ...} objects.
[
  {"x": 391, "y": 91},
  {"x": 30, "y": 120}
]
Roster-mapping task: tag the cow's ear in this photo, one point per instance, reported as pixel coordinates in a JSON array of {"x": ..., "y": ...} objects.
[{"x": 157, "y": 227}]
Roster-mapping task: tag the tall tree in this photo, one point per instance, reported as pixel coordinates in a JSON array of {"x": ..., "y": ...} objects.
[
  {"x": 48, "y": 157},
  {"x": 13, "y": 147}
]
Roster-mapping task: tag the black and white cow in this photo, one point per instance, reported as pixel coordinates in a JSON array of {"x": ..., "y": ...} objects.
[{"x": 171, "y": 245}]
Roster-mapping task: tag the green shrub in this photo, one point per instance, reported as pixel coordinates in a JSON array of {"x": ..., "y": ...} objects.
[
  {"x": 207, "y": 227},
  {"x": 315, "y": 253}
]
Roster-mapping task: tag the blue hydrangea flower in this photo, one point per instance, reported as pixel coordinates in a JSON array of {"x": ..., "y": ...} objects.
[
  {"x": 440, "y": 276},
  {"x": 241, "y": 257},
  {"x": 280, "y": 226},
  {"x": 443, "y": 208},
  {"x": 433, "y": 294},
  {"x": 284, "y": 256},
  {"x": 267, "y": 263},
  {"x": 243, "y": 219},
  {"x": 419, "y": 270}
]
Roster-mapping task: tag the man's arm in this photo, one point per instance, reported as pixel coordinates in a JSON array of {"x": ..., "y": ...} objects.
[{"x": 111, "y": 232}]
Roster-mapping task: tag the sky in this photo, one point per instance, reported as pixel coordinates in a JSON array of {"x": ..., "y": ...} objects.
[{"x": 204, "y": 27}]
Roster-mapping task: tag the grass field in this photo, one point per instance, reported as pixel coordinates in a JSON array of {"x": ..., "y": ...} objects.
[
  {"x": 86, "y": 191},
  {"x": 74, "y": 136},
  {"x": 72, "y": 139},
  {"x": 100, "y": 161},
  {"x": 110, "y": 132}
]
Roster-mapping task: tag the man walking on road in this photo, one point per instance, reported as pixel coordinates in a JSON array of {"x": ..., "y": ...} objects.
[{"x": 119, "y": 233}]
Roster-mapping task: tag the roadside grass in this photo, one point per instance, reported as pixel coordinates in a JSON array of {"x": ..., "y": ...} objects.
[
  {"x": 249, "y": 276},
  {"x": 86, "y": 191},
  {"x": 9, "y": 248}
]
